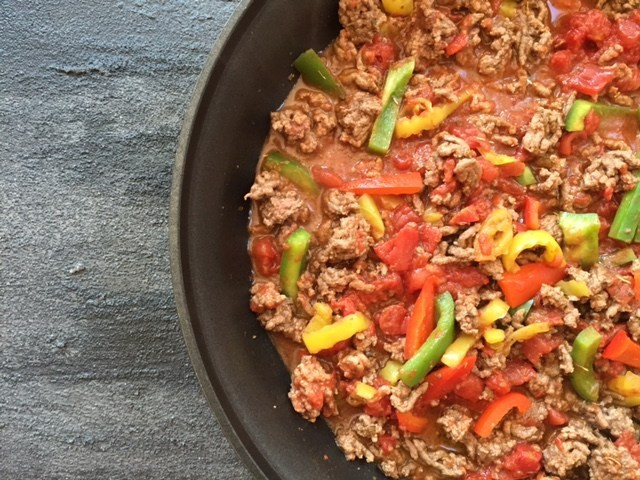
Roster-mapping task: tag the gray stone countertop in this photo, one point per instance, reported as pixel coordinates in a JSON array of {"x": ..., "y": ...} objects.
[{"x": 95, "y": 381}]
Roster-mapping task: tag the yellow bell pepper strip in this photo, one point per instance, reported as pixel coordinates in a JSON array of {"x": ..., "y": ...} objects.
[
  {"x": 401, "y": 8},
  {"x": 364, "y": 391},
  {"x": 533, "y": 239},
  {"x": 629, "y": 402},
  {"x": 495, "y": 236},
  {"x": 497, "y": 410},
  {"x": 369, "y": 210},
  {"x": 622, "y": 257},
  {"x": 292, "y": 171},
  {"x": 493, "y": 336},
  {"x": 430, "y": 118},
  {"x": 527, "y": 178},
  {"x": 508, "y": 8},
  {"x": 394, "y": 87},
  {"x": 294, "y": 260},
  {"x": 493, "y": 311},
  {"x": 580, "y": 236},
  {"x": 329, "y": 335},
  {"x": 456, "y": 352},
  {"x": 315, "y": 73},
  {"x": 391, "y": 372},
  {"x": 583, "y": 379},
  {"x": 574, "y": 288},
  {"x": 430, "y": 353},
  {"x": 529, "y": 331},
  {"x": 625, "y": 223},
  {"x": 322, "y": 317},
  {"x": 622, "y": 349},
  {"x": 627, "y": 385},
  {"x": 497, "y": 158},
  {"x": 432, "y": 217}
]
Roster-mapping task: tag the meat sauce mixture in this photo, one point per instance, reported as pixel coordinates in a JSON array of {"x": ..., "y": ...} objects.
[{"x": 444, "y": 236}]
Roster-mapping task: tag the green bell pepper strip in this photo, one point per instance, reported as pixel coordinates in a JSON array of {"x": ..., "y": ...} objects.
[
  {"x": 429, "y": 354},
  {"x": 526, "y": 307},
  {"x": 315, "y": 73},
  {"x": 394, "y": 88},
  {"x": 583, "y": 353},
  {"x": 527, "y": 178},
  {"x": 292, "y": 171},
  {"x": 625, "y": 223},
  {"x": 580, "y": 232},
  {"x": 574, "y": 121},
  {"x": 294, "y": 260},
  {"x": 622, "y": 257}
]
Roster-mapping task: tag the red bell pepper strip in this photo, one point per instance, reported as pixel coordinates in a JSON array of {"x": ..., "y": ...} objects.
[
  {"x": 524, "y": 284},
  {"x": 422, "y": 319},
  {"x": 624, "y": 350},
  {"x": 411, "y": 423},
  {"x": 444, "y": 380},
  {"x": 636, "y": 284},
  {"x": 497, "y": 410},
  {"x": 532, "y": 213},
  {"x": 514, "y": 169},
  {"x": 398, "y": 184}
]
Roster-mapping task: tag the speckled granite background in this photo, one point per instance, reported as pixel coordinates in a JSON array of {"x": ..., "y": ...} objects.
[{"x": 94, "y": 377}]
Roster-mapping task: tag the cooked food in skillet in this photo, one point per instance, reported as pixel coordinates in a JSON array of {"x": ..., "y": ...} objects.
[{"x": 444, "y": 236}]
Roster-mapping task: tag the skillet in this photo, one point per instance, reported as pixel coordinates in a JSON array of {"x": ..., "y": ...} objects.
[{"x": 242, "y": 376}]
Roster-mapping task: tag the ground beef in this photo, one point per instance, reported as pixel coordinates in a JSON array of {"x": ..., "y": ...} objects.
[
  {"x": 456, "y": 422},
  {"x": 427, "y": 38},
  {"x": 356, "y": 116},
  {"x": 554, "y": 297},
  {"x": 611, "y": 171},
  {"x": 361, "y": 18},
  {"x": 570, "y": 449},
  {"x": 549, "y": 223},
  {"x": 331, "y": 281},
  {"x": 350, "y": 239},
  {"x": 365, "y": 79},
  {"x": 313, "y": 390},
  {"x": 467, "y": 311},
  {"x": 468, "y": 172},
  {"x": 448, "y": 464},
  {"x": 338, "y": 204},
  {"x": 447, "y": 145},
  {"x": 278, "y": 201},
  {"x": 544, "y": 131},
  {"x": 344, "y": 49},
  {"x": 352, "y": 446},
  {"x": 354, "y": 365},
  {"x": 503, "y": 35},
  {"x": 549, "y": 182},
  {"x": 535, "y": 38},
  {"x": 609, "y": 461},
  {"x": 275, "y": 311},
  {"x": 487, "y": 450},
  {"x": 404, "y": 398},
  {"x": 618, "y": 6}
]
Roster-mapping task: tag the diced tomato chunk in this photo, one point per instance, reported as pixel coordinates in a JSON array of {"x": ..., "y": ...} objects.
[
  {"x": 540, "y": 345},
  {"x": 489, "y": 171},
  {"x": 557, "y": 418},
  {"x": 469, "y": 388},
  {"x": 384, "y": 288},
  {"x": 512, "y": 169},
  {"x": 562, "y": 61},
  {"x": 387, "y": 443},
  {"x": 398, "y": 251},
  {"x": 523, "y": 461},
  {"x": 589, "y": 78},
  {"x": 402, "y": 215},
  {"x": 622, "y": 291},
  {"x": 379, "y": 408},
  {"x": 467, "y": 277},
  {"x": 628, "y": 441},
  {"x": 415, "y": 278},
  {"x": 392, "y": 320},
  {"x": 265, "y": 255},
  {"x": 431, "y": 237},
  {"x": 380, "y": 53},
  {"x": 458, "y": 43},
  {"x": 499, "y": 383},
  {"x": 627, "y": 32}
]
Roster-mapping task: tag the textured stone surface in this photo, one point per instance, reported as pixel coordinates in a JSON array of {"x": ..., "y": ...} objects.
[{"x": 94, "y": 377}]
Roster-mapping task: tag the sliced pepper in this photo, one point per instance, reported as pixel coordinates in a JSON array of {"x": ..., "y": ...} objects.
[
  {"x": 391, "y": 372},
  {"x": 625, "y": 223},
  {"x": 315, "y": 73},
  {"x": 580, "y": 233},
  {"x": 533, "y": 239},
  {"x": 322, "y": 317},
  {"x": 497, "y": 410},
  {"x": 422, "y": 319},
  {"x": 575, "y": 119},
  {"x": 627, "y": 385},
  {"x": 398, "y": 184},
  {"x": 624, "y": 350},
  {"x": 369, "y": 210},
  {"x": 636, "y": 285},
  {"x": 398, "y": 7},
  {"x": 532, "y": 213},
  {"x": 457, "y": 351},
  {"x": 574, "y": 288},
  {"x": 527, "y": 178},
  {"x": 524, "y": 284},
  {"x": 495, "y": 235},
  {"x": 508, "y": 8},
  {"x": 364, "y": 391},
  {"x": 525, "y": 307},
  {"x": 584, "y": 380},
  {"x": 411, "y": 423},
  {"x": 430, "y": 119},
  {"x": 396, "y": 83},
  {"x": 498, "y": 159},
  {"x": 444, "y": 380},
  {"x": 329, "y": 335},
  {"x": 622, "y": 257},
  {"x": 529, "y": 331},
  {"x": 429, "y": 354},
  {"x": 493, "y": 311},
  {"x": 292, "y": 171},
  {"x": 294, "y": 260},
  {"x": 494, "y": 336}
]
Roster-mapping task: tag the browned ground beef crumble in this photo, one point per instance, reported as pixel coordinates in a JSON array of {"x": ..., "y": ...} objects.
[{"x": 520, "y": 61}]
